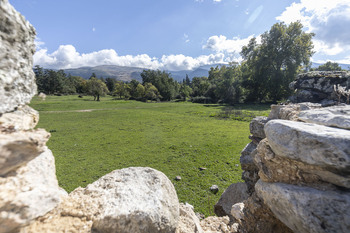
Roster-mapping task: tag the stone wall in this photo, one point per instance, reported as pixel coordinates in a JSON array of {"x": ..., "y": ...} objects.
[
  {"x": 317, "y": 86},
  {"x": 297, "y": 169}
]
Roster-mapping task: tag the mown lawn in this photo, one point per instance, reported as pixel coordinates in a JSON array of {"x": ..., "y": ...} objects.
[{"x": 90, "y": 139}]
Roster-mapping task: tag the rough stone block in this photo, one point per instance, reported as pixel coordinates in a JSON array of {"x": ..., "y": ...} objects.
[
  {"x": 307, "y": 210},
  {"x": 17, "y": 81}
]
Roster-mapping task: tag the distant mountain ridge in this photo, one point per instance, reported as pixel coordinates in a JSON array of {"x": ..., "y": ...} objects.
[{"x": 125, "y": 73}]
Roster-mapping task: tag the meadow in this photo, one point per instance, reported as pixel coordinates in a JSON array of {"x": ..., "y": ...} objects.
[{"x": 90, "y": 139}]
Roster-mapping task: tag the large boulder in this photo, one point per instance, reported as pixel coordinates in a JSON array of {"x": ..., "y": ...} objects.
[
  {"x": 307, "y": 210},
  {"x": 335, "y": 116},
  {"x": 309, "y": 143},
  {"x": 235, "y": 193},
  {"x": 17, "y": 81},
  {"x": 29, "y": 192},
  {"x": 133, "y": 199}
]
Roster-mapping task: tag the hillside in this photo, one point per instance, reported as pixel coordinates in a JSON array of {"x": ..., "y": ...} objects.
[{"x": 125, "y": 73}]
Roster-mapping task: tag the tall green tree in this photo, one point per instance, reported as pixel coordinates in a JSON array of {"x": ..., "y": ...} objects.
[
  {"x": 162, "y": 80},
  {"x": 96, "y": 88},
  {"x": 269, "y": 67}
]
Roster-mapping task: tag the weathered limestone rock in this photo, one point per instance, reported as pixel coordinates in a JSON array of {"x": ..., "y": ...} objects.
[
  {"x": 309, "y": 143},
  {"x": 188, "y": 222},
  {"x": 247, "y": 158},
  {"x": 235, "y": 193},
  {"x": 237, "y": 211},
  {"x": 257, "y": 217},
  {"x": 335, "y": 116},
  {"x": 19, "y": 147},
  {"x": 317, "y": 86},
  {"x": 250, "y": 173},
  {"x": 307, "y": 210},
  {"x": 213, "y": 224},
  {"x": 17, "y": 84},
  {"x": 128, "y": 200},
  {"x": 256, "y": 126},
  {"x": 274, "y": 168},
  {"x": 29, "y": 192},
  {"x": 23, "y": 118},
  {"x": 290, "y": 111}
]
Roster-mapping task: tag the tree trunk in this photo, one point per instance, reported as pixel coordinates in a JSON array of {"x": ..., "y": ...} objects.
[{"x": 98, "y": 97}]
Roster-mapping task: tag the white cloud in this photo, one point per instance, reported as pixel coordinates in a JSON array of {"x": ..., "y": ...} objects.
[
  {"x": 222, "y": 44},
  {"x": 93, "y": 29},
  {"x": 329, "y": 20},
  {"x": 66, "y": 57}
]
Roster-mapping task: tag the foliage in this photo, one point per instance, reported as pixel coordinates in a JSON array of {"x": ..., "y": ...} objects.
[
  {"x": 225, "y": 84},
  {"x": 269, "y": 67},
  {"x": 329, "y": 66},
  {"x": 162, "y": 80},
  {"x": 175, "y": 138},
  {"x": 96, "y": 88}
]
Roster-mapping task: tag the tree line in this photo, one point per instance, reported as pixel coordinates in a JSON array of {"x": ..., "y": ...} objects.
[{"x": 263, "y": 75}]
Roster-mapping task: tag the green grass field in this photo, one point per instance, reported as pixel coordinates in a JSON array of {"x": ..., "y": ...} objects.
[{"x": 90, "y": 139}]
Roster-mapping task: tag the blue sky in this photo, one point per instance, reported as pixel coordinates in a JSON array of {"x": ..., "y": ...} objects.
[{"x": 174, "y": 34}]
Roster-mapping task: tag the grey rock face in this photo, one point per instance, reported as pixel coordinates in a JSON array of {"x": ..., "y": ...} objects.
[
  {"x": 29, "y": 192},
  {"x": 246, "y": 159},
  {"x": 235, "y": 193},
  {"x": 130, "y": 200},
  {"x": 317, "y": 86},
  {"x": 335, "y": 116},
  {"x": 312, "y": 144},
  {"x": 17, "y": 82},
  {"x": 307, "y": 210},
  {"x": 256, "y": 126}
]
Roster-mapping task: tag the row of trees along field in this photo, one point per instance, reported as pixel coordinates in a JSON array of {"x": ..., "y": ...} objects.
[{"x": 263, "y": 75}]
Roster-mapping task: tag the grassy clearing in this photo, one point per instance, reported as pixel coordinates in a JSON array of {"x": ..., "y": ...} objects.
[{"x": 175, "y": 138}]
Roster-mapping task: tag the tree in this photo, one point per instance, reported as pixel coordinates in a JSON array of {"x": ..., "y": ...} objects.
[
  {"x": 162, "y": 81},
  {"x": 185, "y": 91},
  {"x": 200, "y": 86},
  {"x": 122, "y": 90},
  {"x": 329, "y": 66},
  {"x": 269, "y": 67},
  {"x": 96, "y": 88},
  {"x": 110, "y": 82},
  {"x": 151, "y": 92}
]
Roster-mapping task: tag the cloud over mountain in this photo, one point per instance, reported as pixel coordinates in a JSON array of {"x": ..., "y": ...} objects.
[{"x": 329, "y": 20}]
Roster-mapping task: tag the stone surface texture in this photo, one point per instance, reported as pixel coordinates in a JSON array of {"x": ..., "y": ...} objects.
[
  {"x": 317, "y": 86},
  {"x": 310, "y": 143},
  {"x": 17, "y": 81},
  {"x": 235, "y": 193},
  {"x": 335, "y": 116},
  {"x": 298, "y": 176},
  {"x": 128, "y": 200},
  {"x": 188, "y": 222},
  {"x": 213, "y": 224},
  {"x": 29, "y": 192},
  {"x": 256, "y": 126},
  {"x": 23, "y": 118},
  {"x": 19, "y": 147},
  {"x": 307, "y": 210}
]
